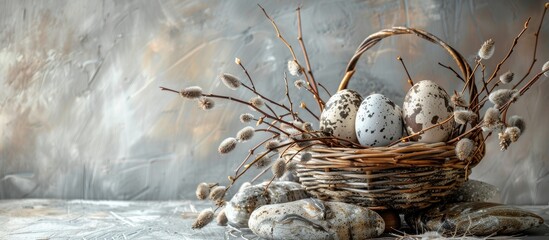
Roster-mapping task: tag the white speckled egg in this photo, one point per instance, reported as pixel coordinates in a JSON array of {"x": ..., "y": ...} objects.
[
  {"x": 378, "y": 121},
  {"x": 338, "y": 116},
  {"x": 426, "y": 104}
]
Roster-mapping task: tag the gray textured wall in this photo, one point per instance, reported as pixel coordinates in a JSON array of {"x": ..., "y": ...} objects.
[{"x": 81, "y": 115}]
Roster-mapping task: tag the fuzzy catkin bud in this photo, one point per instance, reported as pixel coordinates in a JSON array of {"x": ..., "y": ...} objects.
[
  {"x": 464, "y": 148},
  {"x": 191, "y": 92},
  {"x": 504, "y": 140},
  {"x": 246, "y": 117},
  {"x": 464, "y": 116},
  {"x": 502, "y": 96},
  {"x": 307, "y": 156},
  {"x": 245, "y": 134},
  {"x": 491, "y": 119},
  {"x": 278, "y": 168},
  {"x": 545, "y": 67},
  {"x": 227, "y": 145},
  {"x": 230, "y": 81},
  {"x": 487, "y": 49},
  {"x": 217, "y": 193},
  {"x": 506, "y": 77},
  {"x": 221, "y": 218},
  {"x": 300, "y": 83},
  {"x": 458, "y": 100},
  {"x": 262, "y": 161},
  {"x": 206, "y": 103},
  {"x": 517, "y": 121},
  {"x": 257, "y": 102},
  {"x": 205, "y": 217},
  {"x": 272, "y": 144},
  {"x": 294, "y": 68},
  {"x": 202, "y": 191},
  {"x": 513, "y": 132},
  {"x": 308, "y": 127}
]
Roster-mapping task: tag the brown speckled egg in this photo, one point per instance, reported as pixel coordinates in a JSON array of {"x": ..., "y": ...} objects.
[
  {"x": 338, "y": 117},
  {"x": 426, "y": 104}
]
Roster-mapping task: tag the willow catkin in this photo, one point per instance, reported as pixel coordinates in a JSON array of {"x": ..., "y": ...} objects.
[
  {"x": 221, "y": 218},
  {"x": 464, "y": 116},
  {"x": 294, "y": 68},
  {"x": 491, "y": 119},
  {"x": 545, "y": 67},
  {"x": 501, "y": 96},
  {"x": 257, "y": 102},
  {"x": 272, "y": 144},
  {"x": 464, "y": 148},
  {"x": 202, "y": 191},
  {"x": 279, "y": 168},
  {"x": 206, "y": 103},
  {"x": 300, "y": 83},
  {"x": 262, "y": 160},
  {"x": 217, "y": 193},
  {"x": 308, "y": 127},
  {"x": 517, "y": 121},
  {"x": 230, "y": 81},
  {"x": 513, "y": 133},
  {"x": 205, "y": 217},
  {"x": 245, "y": 133},
  {"x": 457, "y": 100},
  {"x": 227, "y": 145},
  {"x": 506, "y": 77},
  {"x": 487, "y": 49},
  {"x": 193, "y": 92},
  {"x": 246, "y": 117}
]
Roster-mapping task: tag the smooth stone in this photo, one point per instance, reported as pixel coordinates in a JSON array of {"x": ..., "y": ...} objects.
[
  {"x": 314, "y": 219},
  {"x": 247, "y": 199},
  {"x": 475, "y": 191},
  {"x": 474, "y": 218}
]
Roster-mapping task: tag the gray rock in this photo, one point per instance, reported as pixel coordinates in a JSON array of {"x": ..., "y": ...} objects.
[
  {"x": 249, "y": 198},
  {"x": 475, "y": 191},
  {"x": 474, "y": 218},
  {"x": 314, "y": 219}
]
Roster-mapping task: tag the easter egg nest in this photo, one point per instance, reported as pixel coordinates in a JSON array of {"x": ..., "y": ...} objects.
[{"x": 407, "y": 173}]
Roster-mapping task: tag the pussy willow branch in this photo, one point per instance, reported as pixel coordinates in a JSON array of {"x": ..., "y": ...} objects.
[
  {"x": 279, "y": 35},
  {"x": 498, "y": 66},
  {"x": 305, "y": 55},
  {"x": 288, "y": 97},
  {"x": 326, "y": 90},
  {"x": 244, "y": 103},
  {"x": 251, "y": 153},
  {"x": 535, "y": 47},
  {"x": 253, "y": 90},
  {"x": 470, "y": 78},
  {"x": 247, "y": 74}
]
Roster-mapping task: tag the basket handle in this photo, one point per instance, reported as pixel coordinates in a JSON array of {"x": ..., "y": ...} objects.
[{"x": 371, "y": 40}]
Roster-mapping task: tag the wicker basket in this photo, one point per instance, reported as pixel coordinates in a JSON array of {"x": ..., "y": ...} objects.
[{"x": 405, "y": 176}]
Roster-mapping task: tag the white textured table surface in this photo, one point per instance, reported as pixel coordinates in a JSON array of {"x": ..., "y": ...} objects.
[{"x": 84, "y": 219}]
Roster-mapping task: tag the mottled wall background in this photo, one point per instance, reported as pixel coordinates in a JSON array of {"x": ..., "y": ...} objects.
[{"x": 81, "y": 114}]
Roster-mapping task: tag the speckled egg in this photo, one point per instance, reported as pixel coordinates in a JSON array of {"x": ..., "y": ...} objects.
[
  {"x": 338, "y": 116},
  {"x": 378, "y": 121},
  {"x": 426, "y": 104}
]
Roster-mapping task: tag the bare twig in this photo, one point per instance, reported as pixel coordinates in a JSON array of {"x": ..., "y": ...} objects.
[
  {"x": 288, "y": 97},
  {"x": 535, "y": 48},
  {"x": 406, "y": 70},
  {"x": 305, "y": 55},
  {"x": 451, "y": 69},
  {"x": 304, "y": 106}
]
